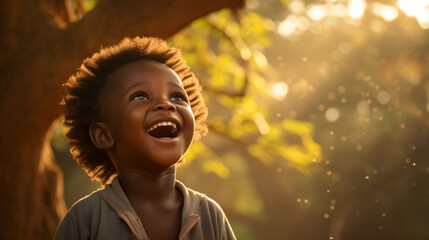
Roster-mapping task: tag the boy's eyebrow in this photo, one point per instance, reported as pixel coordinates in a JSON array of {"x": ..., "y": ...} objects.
[
  {"x": 135, "y": 85},
  {"x": 175, "y": 84}
]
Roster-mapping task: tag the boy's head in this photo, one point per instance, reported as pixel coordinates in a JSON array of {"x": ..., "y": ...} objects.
[{"x": 98, "y": 84}]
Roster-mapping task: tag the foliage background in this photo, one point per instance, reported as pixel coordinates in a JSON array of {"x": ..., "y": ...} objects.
[{"x": 318, "y": 119}]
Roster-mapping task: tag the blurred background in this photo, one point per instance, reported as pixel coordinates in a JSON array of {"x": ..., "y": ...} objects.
[{"x": 318, "y": 119}]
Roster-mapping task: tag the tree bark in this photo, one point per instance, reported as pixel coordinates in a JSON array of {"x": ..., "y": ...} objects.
[{"x": 37, "y": 57}]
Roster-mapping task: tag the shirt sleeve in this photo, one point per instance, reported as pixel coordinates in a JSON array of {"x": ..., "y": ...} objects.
[
  {"x": 80, "y": 221},
  {"x": 219, "y": 219},
  {"x": 226, "y": 232}
]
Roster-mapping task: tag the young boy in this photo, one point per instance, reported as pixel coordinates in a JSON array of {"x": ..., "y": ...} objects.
[{"x": 132, "y": 111}]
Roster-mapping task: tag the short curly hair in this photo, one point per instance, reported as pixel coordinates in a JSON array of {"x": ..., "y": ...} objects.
[{"x": 83, "y": 90}]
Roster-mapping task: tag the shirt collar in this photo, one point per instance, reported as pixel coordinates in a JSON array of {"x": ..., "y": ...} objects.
[{"x": 114, "y": 195}]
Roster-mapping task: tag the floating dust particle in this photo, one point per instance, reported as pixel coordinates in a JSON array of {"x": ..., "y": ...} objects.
[
  {"x": 402, "y": 126},
  {"x": 366, "y": 177},
  {"x": 328, "y": 190},
  {"x": 341, "y": 90},
  {"x": 298, "y": 200},
  {"x": 333, "y": 201},
  {"x": 336, "y": 177},
  {"x": 368, "y": 101},
  {"x": 374, "y": 109},
  {"x": 380, "y": 227},
  {"x": 305, "y": 59},
  {"x": 331, "y": 132},
  {"x": 360, "y": 75},
  {"x": 327, "y": 162},
  {"x": 343, "y": 100},
  {"x": 329, "y": 172},
  {"x": 321, "y": 107},
  {"x": 383, "y": 214},
  {"x": 414, "y": 164},
  {"x": 326, "y": 215},
  {"x": 407, "y": 160},
  {"x": 279, "y": 170},
  {"x": 332, "y": 207},
  {"x": 359, "y": 147},
  {"x": 306, "y": 201},
  {"x": 413, "y": 148},
  {"x": 344, "y": 139},
  {"x": 331, "y": 96},
  {"x": 278, "y": 115},
  {"x": 381, "y": 118},
  {"x": 367, "y": 78},
  {"x": 330, "y": 238}
]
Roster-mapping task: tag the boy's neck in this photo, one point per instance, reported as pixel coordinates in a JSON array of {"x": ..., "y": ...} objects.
[{"x": 144, "y": 188}]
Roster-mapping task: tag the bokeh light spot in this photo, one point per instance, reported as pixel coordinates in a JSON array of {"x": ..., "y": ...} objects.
[
  {"x": 316, "y": 12},
  {"x": 332, "y": 114},
  {"x": 356, "y": 8},
  {"x": 278, "y": 90},
  {"x": 362, "y": 108},
  {"x": 383, "y": 97}
]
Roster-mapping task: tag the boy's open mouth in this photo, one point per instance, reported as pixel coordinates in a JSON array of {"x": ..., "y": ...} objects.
[{"x": 165, "y": 129}]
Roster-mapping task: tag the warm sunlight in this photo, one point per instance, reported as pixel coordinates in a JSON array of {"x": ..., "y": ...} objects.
[
  {"x": 388, "y": 13},
  {"x": 278, "y": 90},
  {"x": 317, "y": 12},
  {"x": 418, "y": 9},
  {"x": 301, "y": 119},
  {"x": 356, "y": 8}
]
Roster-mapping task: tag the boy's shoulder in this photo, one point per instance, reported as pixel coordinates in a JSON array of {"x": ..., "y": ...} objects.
[
  {"x": 198, "y": 203},
  {"x": 87, "y": 204},
  {"x": 77, "y": 222},
  {"x": 198, "y": 207}
]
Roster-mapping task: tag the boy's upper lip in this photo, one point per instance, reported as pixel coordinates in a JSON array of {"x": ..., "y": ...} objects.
[{"x": 164, "y": 118}]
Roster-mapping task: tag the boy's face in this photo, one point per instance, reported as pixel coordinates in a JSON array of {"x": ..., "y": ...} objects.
[{"x": 148, "y": 115}]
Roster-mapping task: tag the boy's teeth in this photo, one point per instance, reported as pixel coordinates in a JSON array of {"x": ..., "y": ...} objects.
[{"x": 153, "y": 127}]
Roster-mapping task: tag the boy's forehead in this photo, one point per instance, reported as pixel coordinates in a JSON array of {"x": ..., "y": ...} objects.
[{"x": 143, "y": 64}]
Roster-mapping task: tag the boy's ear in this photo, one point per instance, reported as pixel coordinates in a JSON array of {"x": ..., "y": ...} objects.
[{"x": 100, "y": 136}]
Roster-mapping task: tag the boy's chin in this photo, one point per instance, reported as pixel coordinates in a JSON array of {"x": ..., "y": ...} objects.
[{"x": 167, "y": 162}]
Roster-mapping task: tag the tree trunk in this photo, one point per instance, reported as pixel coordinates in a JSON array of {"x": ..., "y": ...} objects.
[{"x": 36, "y": 58}]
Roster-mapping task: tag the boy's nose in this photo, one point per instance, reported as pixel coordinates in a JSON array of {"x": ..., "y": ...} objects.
[{"x": 164, "y": 105}]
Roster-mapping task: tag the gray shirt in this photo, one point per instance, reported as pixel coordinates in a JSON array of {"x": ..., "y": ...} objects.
[{"x": 107, "y": 214}]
